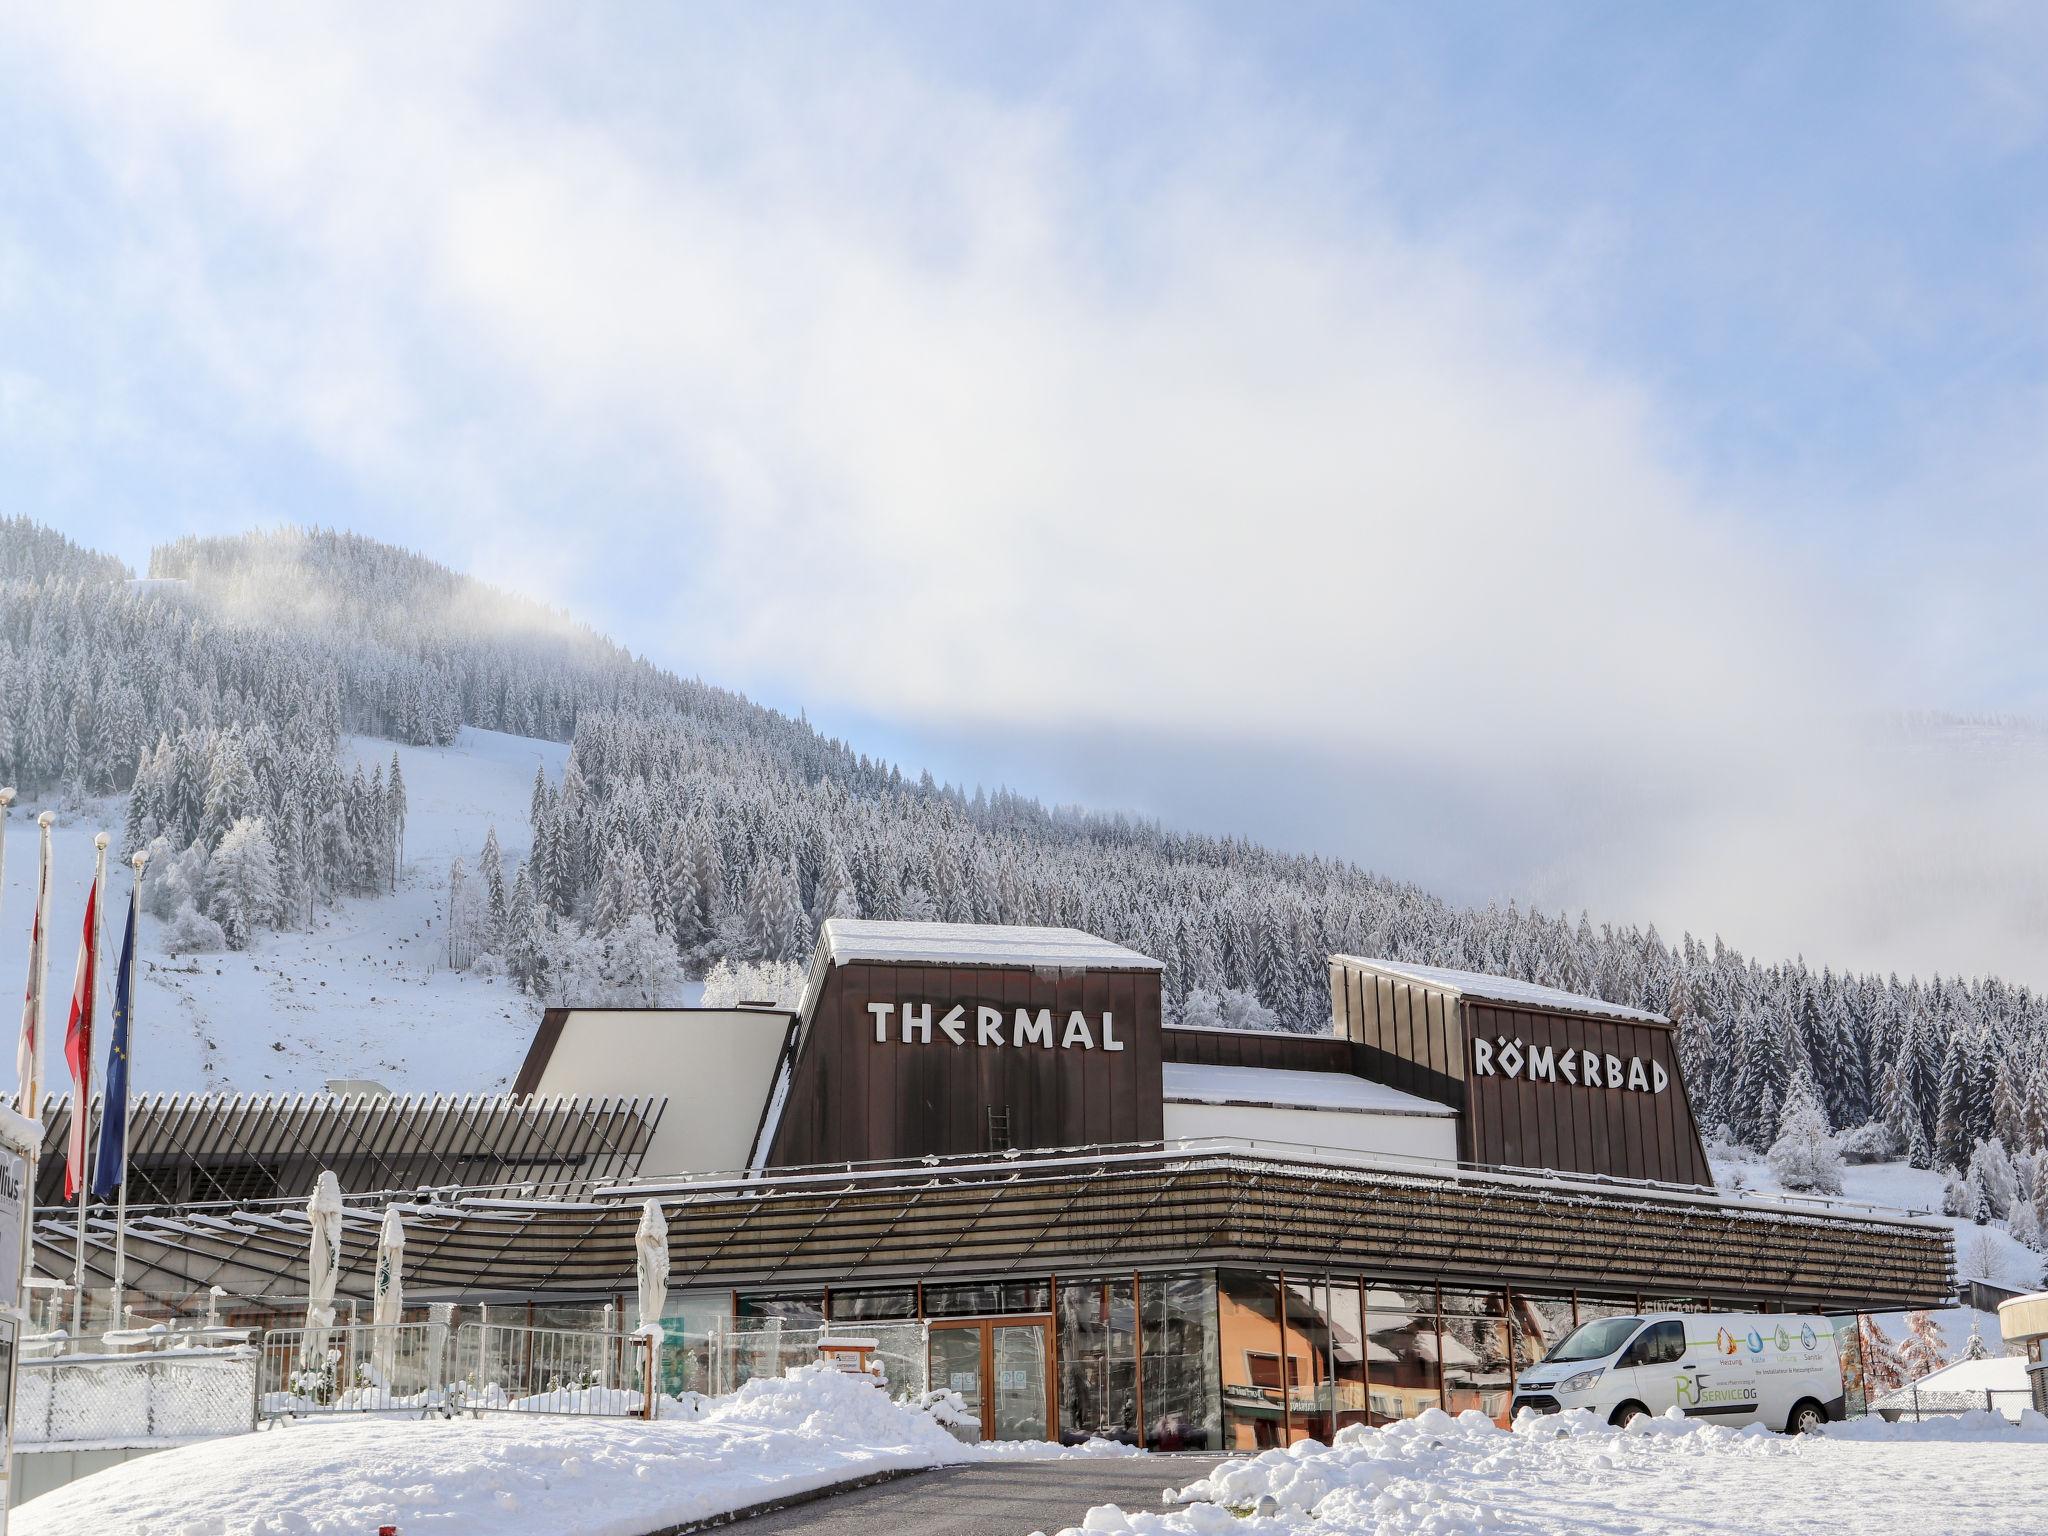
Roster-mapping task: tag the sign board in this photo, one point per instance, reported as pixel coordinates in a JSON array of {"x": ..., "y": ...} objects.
[
  {"x": 13, "y": 1191},
  {"x": 984, "y": 1024}
]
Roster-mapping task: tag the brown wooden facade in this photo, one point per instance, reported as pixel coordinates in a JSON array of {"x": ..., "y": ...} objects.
[
  {"x": 853, "y": 1098},
  {"x": 1419, "y": 1038}
]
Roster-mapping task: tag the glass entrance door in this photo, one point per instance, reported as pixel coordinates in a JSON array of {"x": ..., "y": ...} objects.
[
  {"x": 956, "y": 1365},
  {"x": 1000, "y": 1368},
  {"x": 1020, "y": 1381}
]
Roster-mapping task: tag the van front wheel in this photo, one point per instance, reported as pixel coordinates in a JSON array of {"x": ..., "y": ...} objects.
[
  {"x": 1807, "y": 1416},
  {"x": 1627, "y": 1414}
]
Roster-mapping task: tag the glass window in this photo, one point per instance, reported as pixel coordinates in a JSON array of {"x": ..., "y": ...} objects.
[
  {"x": 1341, "y": 1398},
  {"x": 1539, "y": 1324},
  {"x": 1595, "y": 1340},
  {"x": 1659, "y": 1344},
  {"x": 1401, "y": 1352},
  {"x": 807, "y": 1311},
  {"x": 987, "y": 1298},
  {"x": 899, "y": 1301},
  {"x": 1248, "y": 1329},
  {"x": 687, "y": 1324},
  {"x": 1098, "y": 1361},
  {"x": 1311, "y": 1340},
  {"x": 1475, "y": 1353},
  {"x": 1181, "y": 1390}
]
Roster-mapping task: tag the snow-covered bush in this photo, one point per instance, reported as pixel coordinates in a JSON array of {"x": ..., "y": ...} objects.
[
  {"x": 1955, "y": 1195},
  {"x": 638, "y": 965},
  {"x": 1226, "y": 1008},
  {"x": 1804, "y": 1156},
  {"x": 729, "y": 983},
  {"x": 172, "y": 878},
  {"x": 1871, "y": 1142},
  {"x": 192, "y": 932}
]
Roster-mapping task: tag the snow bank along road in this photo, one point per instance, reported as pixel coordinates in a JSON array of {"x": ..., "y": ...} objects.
[
  {"x": 1439, "y": 1476},
  {"x": 982, "y": 1498},
  {"x": 547, "y": 1475}
]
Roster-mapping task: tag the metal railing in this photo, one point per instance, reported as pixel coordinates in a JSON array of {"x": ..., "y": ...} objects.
[
  {"x": 1912, "y": 1404},
  {"x": 512, "y": 1368},
  {"x": 364, "y": 1368},
  {"x": 139, "y": 1399}
]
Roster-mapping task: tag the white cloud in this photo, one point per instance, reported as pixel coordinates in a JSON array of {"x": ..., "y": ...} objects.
[{"x": 957, "y": 423}]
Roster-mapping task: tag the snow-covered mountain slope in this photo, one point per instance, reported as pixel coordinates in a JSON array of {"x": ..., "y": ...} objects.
[{"x": 365, "y": 993}]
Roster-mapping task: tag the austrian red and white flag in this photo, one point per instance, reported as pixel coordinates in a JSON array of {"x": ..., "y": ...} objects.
[{"x": 78, "y": 1046}]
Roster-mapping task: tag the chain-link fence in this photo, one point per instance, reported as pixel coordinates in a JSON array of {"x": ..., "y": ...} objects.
[
  {"x": 1914, "y": 1403},
  {"x": 84, "y": 1400}
]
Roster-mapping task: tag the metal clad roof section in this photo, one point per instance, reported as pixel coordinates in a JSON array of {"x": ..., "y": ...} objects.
[
  {"x": 1504, "y": 990},
  {"x": 847, "y": 939}
]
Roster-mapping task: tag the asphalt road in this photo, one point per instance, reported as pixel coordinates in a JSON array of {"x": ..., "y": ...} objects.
[{"x": 987, "y": 1498}]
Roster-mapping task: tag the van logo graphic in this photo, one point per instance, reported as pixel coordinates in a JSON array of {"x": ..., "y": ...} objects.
[
  {"x": 1755, "y": 1341},
  {"x": 1725, "y": 1342},
  {"x": 1784, "y": 1339},
  {"x": 1806, "y": 1336}
]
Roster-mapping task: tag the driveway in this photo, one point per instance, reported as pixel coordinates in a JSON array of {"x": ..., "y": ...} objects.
[{"x": 988, "y": 1498}]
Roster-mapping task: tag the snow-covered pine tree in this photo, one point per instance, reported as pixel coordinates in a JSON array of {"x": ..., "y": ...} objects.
[
  {"x": 244, "y": 894},
  {"x": 1804, "y": 1156}
]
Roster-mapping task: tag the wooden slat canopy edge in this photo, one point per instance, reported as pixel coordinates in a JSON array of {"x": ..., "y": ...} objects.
[{"x": 1167, "y": 1207}]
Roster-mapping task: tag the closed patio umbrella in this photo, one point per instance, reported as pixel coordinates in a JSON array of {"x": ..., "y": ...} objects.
[
  {"x": 323, "y": 1267},
  {"x": 389, "y": 1299},
  {"x": 650, "y": 1245}
]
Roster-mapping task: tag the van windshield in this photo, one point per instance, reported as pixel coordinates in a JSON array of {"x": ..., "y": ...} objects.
[{"x": 1595, "y": 1341}]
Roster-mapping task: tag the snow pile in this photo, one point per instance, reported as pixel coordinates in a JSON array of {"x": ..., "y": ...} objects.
[
  {"x": 514, "y": 1472},
  {"x": 1435, "y": 1475},
  {"x": 1975, "y": 1425}
]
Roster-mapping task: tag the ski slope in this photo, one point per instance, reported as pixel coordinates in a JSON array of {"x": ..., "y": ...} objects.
[{"x": 366, "y": 993}]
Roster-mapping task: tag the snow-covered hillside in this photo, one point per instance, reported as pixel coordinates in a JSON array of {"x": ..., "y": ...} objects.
[{"x": 366, "y": 993}]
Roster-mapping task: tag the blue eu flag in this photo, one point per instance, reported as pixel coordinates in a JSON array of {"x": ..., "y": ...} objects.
[{"x": 111, "y": 1166}]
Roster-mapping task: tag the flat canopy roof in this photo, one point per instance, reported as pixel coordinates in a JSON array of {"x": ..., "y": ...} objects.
[
  {"x": 1501, "y": 989},
  {"x": 846, "y": 939},
  {"x": 1168, "y": 1206},
  {"x": 1188, "y": 1082}
]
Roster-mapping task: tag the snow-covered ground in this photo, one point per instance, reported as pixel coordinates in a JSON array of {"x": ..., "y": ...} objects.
[
  {"x": 1438, "y": 1476},
  {"x": 1982, "y": 1253},
  {"x": 366, "y": 993},
  {"x": 514, "y": 1473}
]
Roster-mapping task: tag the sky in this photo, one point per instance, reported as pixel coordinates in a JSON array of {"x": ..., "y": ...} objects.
[{"x": 1537, "y": 451}]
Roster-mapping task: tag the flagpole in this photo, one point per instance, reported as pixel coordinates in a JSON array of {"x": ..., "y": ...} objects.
[
  {"x": 127, "y": 1039},
  {"x": 83, "y": 1108},
  {"x": 38, "y": 982}
]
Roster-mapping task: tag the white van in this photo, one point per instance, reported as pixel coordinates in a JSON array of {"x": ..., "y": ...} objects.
[{"x": 1780, "y": 1368}]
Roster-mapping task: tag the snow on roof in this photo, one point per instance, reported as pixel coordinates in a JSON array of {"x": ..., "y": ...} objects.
[
  {"x": 1994, "y": 1373},
  {"x": 1502, "y": 989},
  {"x": 1194, "y": 1083},
  {"x": 847, "y": 938}
]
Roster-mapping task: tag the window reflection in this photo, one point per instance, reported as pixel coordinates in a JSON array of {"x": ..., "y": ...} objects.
[
  {"x": 1401, "y": 1352},
  {"x": 1248, "y": 1330},
  {"x": 1098, "y": 1355},
  {"x": 1181, "y": 1412}
]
